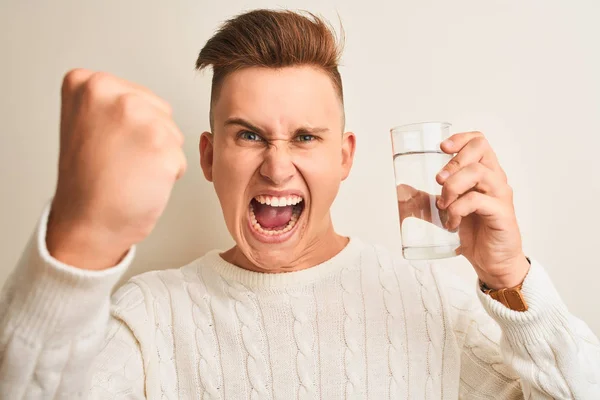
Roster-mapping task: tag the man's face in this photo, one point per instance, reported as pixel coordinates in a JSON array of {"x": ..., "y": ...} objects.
[{"x": 277, "y": 157}]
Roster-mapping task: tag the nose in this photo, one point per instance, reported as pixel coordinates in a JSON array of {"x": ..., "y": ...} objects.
[{"x": 277, "y": 166}]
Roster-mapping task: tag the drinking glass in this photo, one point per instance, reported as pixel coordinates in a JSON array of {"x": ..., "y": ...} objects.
[{"x": 417, "y": 160}]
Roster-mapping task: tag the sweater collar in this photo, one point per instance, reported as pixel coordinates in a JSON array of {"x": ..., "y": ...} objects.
[{"x": 349, "y": 256}]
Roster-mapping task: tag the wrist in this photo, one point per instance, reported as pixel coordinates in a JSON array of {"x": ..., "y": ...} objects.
[
  {"x": 82, "y": 247},
  {"x": 515, "y": 274}
]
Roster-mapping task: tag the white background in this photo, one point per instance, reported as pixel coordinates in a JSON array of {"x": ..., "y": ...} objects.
[{"x": 526, "y": 73}]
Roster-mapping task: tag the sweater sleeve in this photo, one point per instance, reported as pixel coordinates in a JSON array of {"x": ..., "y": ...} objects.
[
  {"x": 56, "y": 332},
  {"x": 542, "y": 353}
]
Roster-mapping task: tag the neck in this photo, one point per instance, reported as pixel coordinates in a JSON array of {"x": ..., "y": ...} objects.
[{"x": 318, "y": 250}]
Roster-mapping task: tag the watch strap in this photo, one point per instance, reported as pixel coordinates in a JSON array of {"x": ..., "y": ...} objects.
[{"x": 510, "y": 297}]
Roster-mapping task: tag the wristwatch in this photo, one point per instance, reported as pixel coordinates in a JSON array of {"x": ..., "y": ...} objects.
[{"x": 510, "y": 297}]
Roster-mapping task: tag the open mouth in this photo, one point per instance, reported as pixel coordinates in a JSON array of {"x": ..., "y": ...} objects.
[{"x": 275, "y": 216}]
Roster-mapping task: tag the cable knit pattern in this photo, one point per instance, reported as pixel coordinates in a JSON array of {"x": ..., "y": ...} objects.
[
  {"x": 119, "y": 363},
  {"x": 248, "y": 315},
  {"x": 206, "y": 338},
  {"x": 435, "y": 330},
  {"x": 165, "y": 346},
  {"x": 479, "y": 344},
  {"x": 395, "y": 327},
  {"x": 353, "y": 332},
  {"x": 544, "y": 328},
  {"x": 348, "y": 328},
  {"x": 304, "y": 335},
  {"x": 478, "y": 339}
]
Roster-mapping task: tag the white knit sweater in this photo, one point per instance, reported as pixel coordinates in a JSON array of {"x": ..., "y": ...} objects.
[{"x": 362, "y": 325}]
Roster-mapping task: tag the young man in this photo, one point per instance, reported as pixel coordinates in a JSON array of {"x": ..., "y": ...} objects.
[{"x": 294, "y": 310}]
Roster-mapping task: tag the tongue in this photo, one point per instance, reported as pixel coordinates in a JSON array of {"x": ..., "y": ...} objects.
[{"x": 272, "y": 217}]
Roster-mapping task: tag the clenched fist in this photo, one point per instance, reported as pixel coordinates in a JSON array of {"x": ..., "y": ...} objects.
[{"x": 120, "y": 155}]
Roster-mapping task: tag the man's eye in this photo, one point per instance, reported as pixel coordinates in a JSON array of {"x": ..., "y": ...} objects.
[
  {"x": 250, "y": 136},
  {"x": 305, "y": 138}
]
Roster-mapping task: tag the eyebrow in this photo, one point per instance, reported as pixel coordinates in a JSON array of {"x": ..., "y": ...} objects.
[
  {"x": 244, "y": 123},
  {"x": 300, "y": 131}
]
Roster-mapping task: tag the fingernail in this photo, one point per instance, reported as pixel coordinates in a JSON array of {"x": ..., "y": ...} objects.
[
  {"x": 444, "y": 174},
  {"x": 448, "y": 143},
  {"x": 440, "y": 203}
]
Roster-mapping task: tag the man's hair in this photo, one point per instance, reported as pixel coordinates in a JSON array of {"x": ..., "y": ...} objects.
[{"x": 272, "y": 39}]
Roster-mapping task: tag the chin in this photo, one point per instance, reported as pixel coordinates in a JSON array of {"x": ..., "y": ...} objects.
[
  {"x": 273, "y": 248},
  {"x": 270, "y": 253}
]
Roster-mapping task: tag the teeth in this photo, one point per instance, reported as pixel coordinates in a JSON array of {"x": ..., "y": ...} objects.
[
  {"x": 270, "y": 232},
  {"x": 274, "y": 201}
]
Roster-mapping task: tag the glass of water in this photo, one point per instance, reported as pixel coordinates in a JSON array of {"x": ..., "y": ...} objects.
[{"x": 417, "y": 160}]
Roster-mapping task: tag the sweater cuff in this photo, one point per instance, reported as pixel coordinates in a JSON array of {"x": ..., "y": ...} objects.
[
  {"x": 546, "y": 315},
  {"x": 48, "y": 297}
]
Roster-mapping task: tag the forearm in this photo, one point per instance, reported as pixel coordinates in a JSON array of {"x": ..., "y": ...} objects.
[{"x": 53, "y": 319}]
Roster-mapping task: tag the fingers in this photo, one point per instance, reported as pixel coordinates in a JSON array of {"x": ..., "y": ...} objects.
[
  {"x": 171, "y": 142},
  {"x": 172, "y": 162},
  {"x": 483, "y": 205},
  {"x": 472, "y": 177},
  {"x": 172, "y": 127},
  {"x": 72, "y": 85},
  {"x": 416, "y": 203},
  {"x": 405, "y": 192},
  {"x": 148, "y": 115},
  {"x": 158, "y": 102},
  {"x": 157, "y": 135},
  {"x": 78, "y": 83},
  {"x": 74, "y": 79},
  {"x": 470, "y": 147},
  {"x": 472, "y": 181},
  {"x": 457, "y": 141}
]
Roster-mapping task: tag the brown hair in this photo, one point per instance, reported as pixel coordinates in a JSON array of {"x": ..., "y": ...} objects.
[{"x": 272, "y": 39}]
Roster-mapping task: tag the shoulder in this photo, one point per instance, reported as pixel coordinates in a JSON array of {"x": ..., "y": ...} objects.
[
  {"x": 377, "y": 257},
  {"x": 141, "y": 295},
  {"x": 448, "y": 285},
  {"x": 447, "y": 276}
]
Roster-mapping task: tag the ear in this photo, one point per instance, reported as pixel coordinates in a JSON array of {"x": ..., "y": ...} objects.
[
  {"x": 348, "y": 147},
  {"x": 206, "y": 155}
]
